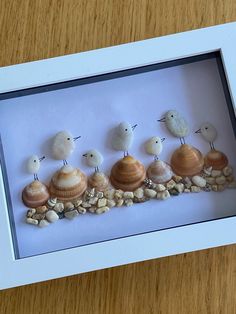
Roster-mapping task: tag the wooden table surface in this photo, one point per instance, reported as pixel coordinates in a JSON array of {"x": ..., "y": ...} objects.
[{"x": 199, "y": 282}]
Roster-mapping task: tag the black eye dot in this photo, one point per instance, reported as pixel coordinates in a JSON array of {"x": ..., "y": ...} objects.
[
  {"x": 206, "y": 128},
  {"x": 91, "y": 155},
  {"x": 172, "y": 116},
  {"x": 68, "y": 138},
  {"x": 156, "y": 141},
  {"x": 126, "y": 129},
  {"x": 34, "y": 160}
]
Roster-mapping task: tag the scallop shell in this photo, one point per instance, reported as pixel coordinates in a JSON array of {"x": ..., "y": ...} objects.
[
  {"x": 159, "y": 172},
  {"x": 187, "y": 161},
  {"x": 127, "y": 174},
  {"x": 35, "y": 194},
  {"x": 68, "y": 184},
  {"x": 216, "y": 159},
  {"x": 99, "y": 181}
]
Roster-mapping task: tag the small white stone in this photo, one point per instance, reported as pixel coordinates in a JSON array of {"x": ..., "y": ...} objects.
[
  {"x": 69, "y": 206},
  {"x": 86, "y": 205},
  {"x": 109, "y": 194},
  {"x": 179, "y": 187},
  {"x": 82, "y": 210},
  {"x": 127, "y": 195},
  {"x": 199, "y": 181},
  {"x": 195, "y": 189},
  {"x": 216, "y": 173},
  {"x": 59, "y": 207},
  {"x": 170, "y": 185},
  {"x": 139, "y": 193},
  {"x": 102, "y": 210},
  {"x": 230, "y": 178},
  {"x": 227, "y": 171},
  {"x": 128, "y": 202},
  {"x": 32, "y": 221},
  {"x": 99, "y": 194},
  {"x": 150, "y": 193},
  {"x": 52, "y": 216},
  {"x": 220, "y": 180},
  {"x": 71, "y": 214},
  {"x": 232, "y": 185},
  {"x": 111, "y": 203},
  {"x": 92, "y": 209},
  {"x": 118, "y": 194},
  {"x": 31, "y": 212},
  {"x": 214, "y": 187},
  {"x": 77, "y": 203},
  {"x": 160, "y": 187},
  {"x": 177, "y": 179},
  {"x": 221, "y": 187},
  {"x": 93, "y": 200},
  {"x": 120, "y": 202},
  {"x": 163, "y": 195},
  {"x": 102, "y": 202},
  {"x": 211, "y": 180},
  {"x": 43, "y": 223},
  {"x": 187, "y": 191},
  {"x": 187, "y": 182}
]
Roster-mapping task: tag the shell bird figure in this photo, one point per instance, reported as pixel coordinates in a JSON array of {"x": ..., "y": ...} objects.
[
  {"x": 154, "y": 146},
  {"x": 176, "y": 125},
  {"x": 33, "y": 165},
  {"x": 63, "y": 146},
  {"x": 94, "y": 159},
  {"x": 123, "y": 137},
  {"x": 209, "y": 133}
]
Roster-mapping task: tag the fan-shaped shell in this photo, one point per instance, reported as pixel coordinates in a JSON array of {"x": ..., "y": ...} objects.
[
  {"x": 35, "y": 194},
  {"x": 159, "y": 172},
  {"x": 127, "y": 174},
  {"x": 68, "y": 183},
  {"x": 99, "y": 181},
  {"x": 187, "y": 161},
  {"x": 216, "y": 159}
]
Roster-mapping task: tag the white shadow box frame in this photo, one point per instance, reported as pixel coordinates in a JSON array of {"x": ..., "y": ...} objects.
[{"x": 23, "y": 79}]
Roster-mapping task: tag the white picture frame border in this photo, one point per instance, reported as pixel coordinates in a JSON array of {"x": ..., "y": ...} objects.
[{"x": 16, "y": 272}]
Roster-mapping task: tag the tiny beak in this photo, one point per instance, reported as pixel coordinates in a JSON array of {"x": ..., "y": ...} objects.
[
  {"x": 85, "y": 155},
  {"x": 134, "y": 126},
  {"x": 76, "y": 138},
  {"x": 198, "y": 131},
  {"x": 163, "y": 139},
  {"x": 42, "y": 158},
  {"x": 162, "y": 120}
]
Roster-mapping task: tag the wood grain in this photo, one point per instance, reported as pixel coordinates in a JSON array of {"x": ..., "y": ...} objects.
[{"x": 200, "y": 282}]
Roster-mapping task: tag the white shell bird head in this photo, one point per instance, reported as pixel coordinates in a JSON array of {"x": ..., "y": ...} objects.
[
  {"x": 63, "y": 145},
  {"x": 154, "y": 145},
  {"x": 33, "y": 164},
  {"x": 169, "y": 116},
  {"x": 93, "y": 158},
  {"x": 125, "y": 129},
  {"x": 208, "y": 132}
]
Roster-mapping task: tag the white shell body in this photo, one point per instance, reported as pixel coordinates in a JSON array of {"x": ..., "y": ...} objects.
[
  {"x": 63, "y": 145},
  {"x": 176, "y": 124},
  {"x": 208, "y": 132},
  {"x": 154, "y": 146},
  {"x": 94, "y": 158},
  {"x": 33, "y": 164},
  {"x": 123, "y": 137}
]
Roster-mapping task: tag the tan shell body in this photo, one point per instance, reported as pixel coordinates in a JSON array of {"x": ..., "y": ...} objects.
[
  {"x": 99, "y": 181},
  {"x": 216, "y": 159},
  {"x": 35, "y": 194},
  {"x": 68, "y": 183},
  {"x": 159, "y": 172},
  {"x": 127, "y": 174},
  {"x": 187, "y": 161}
]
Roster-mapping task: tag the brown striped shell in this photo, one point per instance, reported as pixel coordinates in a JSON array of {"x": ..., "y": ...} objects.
[
  {"x": 99, "y": 181},
  {"x": 68, "y": 184},
  {"x": 35, "y": 194},
  {"x": 159, "y": 172},
  {"x": 216, "y": 159},
  {"x": 127, "y": 174},
  {"x": 187, "y": 161}
]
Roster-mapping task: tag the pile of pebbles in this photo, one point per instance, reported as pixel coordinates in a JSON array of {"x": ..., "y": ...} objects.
[{"x": 97, "y": 202}]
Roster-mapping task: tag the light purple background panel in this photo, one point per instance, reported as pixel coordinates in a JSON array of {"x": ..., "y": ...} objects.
[{"x": 27, "y": 125}]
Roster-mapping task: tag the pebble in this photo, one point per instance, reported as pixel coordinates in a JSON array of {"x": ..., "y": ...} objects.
[
  {"x": 210, "y": 180},
  {"x": 42, "y": 209},
  {"x": 227, "y": 171},
  {"x": 59, "y": 207},
  {"x": 173, "y": 192},
  {"x": 230, "y": 178},
  {"x": 170, "y": 185},
  {"x": 214, "y": 187},
  {"x": 99, "y": 194},
  {"x": 38, "y": 216},
  {"x": 61, "y": 215},
  {"x": 127, "y": 195},
  {"x": 160, "y": 187},
  {"x": 89, "y": 193},
  {"x": 177, "y": 179},
  {"x": 195, "y": 189},
  {"x": 109, "y": 194},
  {"x": 220, "y": 180},
  {"x": 69, "y": 206},
  {"x": 51, "y": 202},
  {"x": 179, "y": 187},
  {"x": 163, "y": 195},
  {"x": 43, "y": 223},
  {"x": 128, "y": 202},
  {"x": 77, "y": 203},
  {"x": 207, "y": 188},
  {"x": 82, "y": 210},
  {"x": 139, "y": 193},
  {"x": 92, "y": 210},
  {"x": 93, "y": 200},
  {"x": 118, "y": 194},
  {"x": 120, "y": 202},
  {"x": 232, "y": 185},
  {"x": 199, "y": 181},
  {"x": 52, "y": 216},
  {"x": 216, "y": 173},
  {"x": 32, "y": 221},
  {"x": 187, "y": 191},
  {"x": 102, "y": 210},
  {"x": 221, "y": 187},
  {"x": 150, "y": 193},
  {"x": 111, "y": 203},
  {"x": 31, "y": 212},
  {"x": 86, "y": 205},
  {"x": 71, "y": 214},
  {"x": 187, "y": 182},
  {"x": 140, "y": 200},
  {"x": 102, "y": 202},
  {"x": 207, "y": 171}
]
